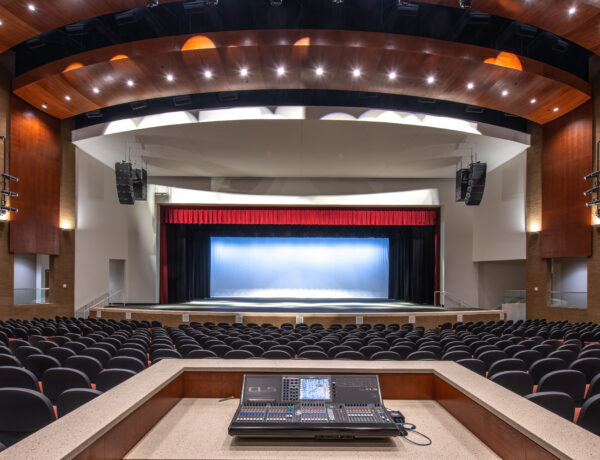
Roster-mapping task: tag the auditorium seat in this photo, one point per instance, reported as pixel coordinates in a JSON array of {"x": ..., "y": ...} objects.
[
  {"x": 22, "y": 412},
  {"x": 421, "y": 356},
  {"x": 220, "y": 350},
  {"x": 86, "y": 364},
  {"x": 22, "y": 352},
  {"x": 544, "y": 366},
  {"x": 61, "y": 353},
  {"x": 201, "y": 354},
  {"x": 554, "y": 401},
  {"x": 474, "y": 365},
  {"x": 183, "y": 350},
  {"x": 528, "y": 356},
  {"x": 256, "y": 351},
  {"x": 589, "y": 366},
  {"x": 511, "y": 350},
  {"x": 59, "y": 379},
  {"x": 238, "y": 354},
  {"x": 16, "y": 343},
  {"x": 46, "y": 345},
  {"x": 99, "y": 353},
  {"x": 455, "y": 355},
  {"x": 11, "y": 376},
  {"x": 517, "y": 381},
  {"x": 77, "y": 347},
  {"x": 568, "y": 356},
  {"x": 126, "y": 362},
  {"x": 508, "y": 364},
  {"x": 9, "y": 360},
  {"x": 385, "y": 356},
  {"x": 351, "y": 354},
  {"x": 38, "y": 364},
  {"x": 110, "y": 378},
  {"x": 566, "y": 381},
  {"x": 133, "y": 353},
  {"x": 71, "y": 399},
  {"x": 276, "y": 354},
  {"x": 313, "y": 354},
  {"x": 589, "y": 417}
]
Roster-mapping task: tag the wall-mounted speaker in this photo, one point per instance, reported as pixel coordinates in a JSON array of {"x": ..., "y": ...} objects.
[
  {"x": 124, "y": 176},
  {"x": 140, "y": 184},
  {"x": 462, "y": 181},
  {"x": 476, "y": 184}
]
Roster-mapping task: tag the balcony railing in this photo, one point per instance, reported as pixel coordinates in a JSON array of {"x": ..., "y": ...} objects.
[{"x": 30, "y": 296}]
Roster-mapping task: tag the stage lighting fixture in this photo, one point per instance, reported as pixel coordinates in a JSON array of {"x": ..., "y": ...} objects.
[
  {"x": 8, "y": 209},
  {"x": 9, "y": 177},
  {"x": 593, "y": 203},
  {"x": 151, "y": 3},
  {"x": 592, "y": 175},
  {"x": 276, "y": 2},
  {"x": 337, "y": 2},
  {"x": 465, "y": 4},
  {"x": 592, "y": 190},
  {"x": 9, "y": 193},
  {"x": 408, "y": 9}
]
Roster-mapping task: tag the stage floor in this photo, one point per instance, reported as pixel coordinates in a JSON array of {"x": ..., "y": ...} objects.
[{"x": 296, "y": 306}]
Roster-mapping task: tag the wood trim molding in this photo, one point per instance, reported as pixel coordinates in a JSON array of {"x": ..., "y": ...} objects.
[{"x": 503, "y": 439}]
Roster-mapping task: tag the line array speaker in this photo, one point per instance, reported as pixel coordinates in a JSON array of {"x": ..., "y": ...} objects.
[
  {"x": 140, "y": 184},
  {"x": 476, "y": 184},
  {"x": 124, "y": 176},
  {"x": 462, "y": 181}
]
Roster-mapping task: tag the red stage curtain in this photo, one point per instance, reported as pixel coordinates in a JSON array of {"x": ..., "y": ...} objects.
[
  {"x": 164, "y": 277},
  {"x": 299, "y": 216}
]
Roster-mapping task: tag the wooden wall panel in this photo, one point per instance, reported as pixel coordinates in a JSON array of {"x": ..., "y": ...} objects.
[
  {"x": 35, "y": 147},
  {"x": 498, "y": 435},
  {"x": 566, "y": 158}
]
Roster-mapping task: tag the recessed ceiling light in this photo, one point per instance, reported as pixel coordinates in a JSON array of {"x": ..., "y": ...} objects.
[
  {"x": 96, "y": 90},
  {"x": 505, "y": 92},
  {"x": 44, "y": 106},
  {"x": 319, "y": 71},
  {"x": 68, "y": 98},
  {"x": 1, "y": 23},
  {"x": 392, "y": 75},
  {"x": 572, "y": 10},
  {"x": 130, "y": 83},
  {"x": 170, "y": 77},
  {"x": 31, "y": 7},
  {"x": 207, "y": 74},
  {"x": 470, "y": 86},
  {"x": 356, "y": 73},
  {"x": 281, "y": 71},
  {"x": 533, "y": 101},
  {"x": 431, "y": 79},
  {"x": 243, "y": 72},
  {"x": 555, "y": 109}
]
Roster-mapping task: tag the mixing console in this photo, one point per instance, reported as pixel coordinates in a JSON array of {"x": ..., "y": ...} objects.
[{"x": 338, "y": 407}]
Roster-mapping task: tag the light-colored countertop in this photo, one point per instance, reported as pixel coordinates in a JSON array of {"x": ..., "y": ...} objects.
[
  {"x": 184, "y": 434},
  {"x": 71, "y": 434}
]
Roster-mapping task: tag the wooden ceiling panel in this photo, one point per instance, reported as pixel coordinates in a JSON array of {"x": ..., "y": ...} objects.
[
  {"x": 452, "y": 65},
  {"x": 581, "y": 27}
]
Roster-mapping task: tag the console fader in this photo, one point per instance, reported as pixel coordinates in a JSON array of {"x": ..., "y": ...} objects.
[{"x": 313, "y": 406}]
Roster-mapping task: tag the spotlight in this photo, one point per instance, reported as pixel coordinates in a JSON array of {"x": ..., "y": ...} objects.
[
  {"x": 319, "y": 71},
  {"x": 151, "y": 3},
  {"x": 281, "y": 71},
  {"x": 392, "y": 75},
  {"x": 8, "y": 209},
  {"x": 9, "y": 177},
  {"x": 465, "y": 4},
  {"x": 170, "y": 77},
  {"x": 9, "y": 193},
  {"x": 276, "y": 2},
  {"x": 356, "y": 73},
  {"x": 431, "y": 80},
  {"x": 207, "y": 74},
  {"x": 244, "y": 72},
  {"x": 96, "y": 90},
  {"x": 533, "y": 101},
  {"x": 130, "y": 83},
  {"x": 470, "y": 86}
]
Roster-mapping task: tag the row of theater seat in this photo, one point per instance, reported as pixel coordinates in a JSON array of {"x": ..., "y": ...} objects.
[{"x": 500, "y": 350}]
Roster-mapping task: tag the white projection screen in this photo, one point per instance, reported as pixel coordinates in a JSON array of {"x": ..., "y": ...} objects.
[{"x": 299, "y": 268}]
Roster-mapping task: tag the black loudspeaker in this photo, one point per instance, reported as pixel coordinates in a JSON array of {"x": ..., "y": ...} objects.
[
  {"x": 124, "y": 175},
  {"x": 462, "y": 182},
  {"x": 140, "y": 184},
  {"x": 476, "y": 185}
]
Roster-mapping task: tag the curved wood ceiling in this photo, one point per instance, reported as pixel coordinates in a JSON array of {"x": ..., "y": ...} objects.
[
  {"x": 96, "y": 82},
  {"x": 19, "y": 23}
]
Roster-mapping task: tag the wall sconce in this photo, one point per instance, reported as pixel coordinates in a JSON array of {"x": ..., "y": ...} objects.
[
  {"x": 66, "y": 225},
  {"x": 534, "y": 227}
]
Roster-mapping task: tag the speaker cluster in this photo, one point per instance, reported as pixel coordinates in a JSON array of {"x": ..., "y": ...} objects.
[
  {"x": 132, "y": 183},
  {"x": 470, "y": 183}
]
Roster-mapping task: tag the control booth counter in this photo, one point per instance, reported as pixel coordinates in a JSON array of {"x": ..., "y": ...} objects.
[{"x": 304, "y": 406}]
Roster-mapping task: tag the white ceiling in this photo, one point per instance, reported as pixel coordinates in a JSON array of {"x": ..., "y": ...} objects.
[{"x": 303, "y": 148}]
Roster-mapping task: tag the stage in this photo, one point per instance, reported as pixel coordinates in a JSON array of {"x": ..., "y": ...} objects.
[
  {"x": 294, "y": 305},
  {"x": 325, "y": 312}
]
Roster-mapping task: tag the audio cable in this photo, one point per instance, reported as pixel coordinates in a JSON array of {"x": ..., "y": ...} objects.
[{"x": 405, "y": 428}]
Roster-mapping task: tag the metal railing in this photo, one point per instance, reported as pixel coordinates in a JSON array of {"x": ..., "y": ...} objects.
[
  {"x": 32, "y": 296},
  {"x": 515, "y": 296},
  {"x": 443, "y": 297},
  {"x": 103, "y": 301},
  {"x": 568, "y": 299}
]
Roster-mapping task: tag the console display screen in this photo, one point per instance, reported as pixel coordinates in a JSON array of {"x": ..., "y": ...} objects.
[{"x": 314, "y": 389}]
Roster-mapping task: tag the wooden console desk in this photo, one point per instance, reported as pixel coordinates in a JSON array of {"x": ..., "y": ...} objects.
[{"x": 171, "y": 410}]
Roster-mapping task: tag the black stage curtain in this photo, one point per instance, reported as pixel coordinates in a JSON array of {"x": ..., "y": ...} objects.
[{"x": 412, "y": 255}]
